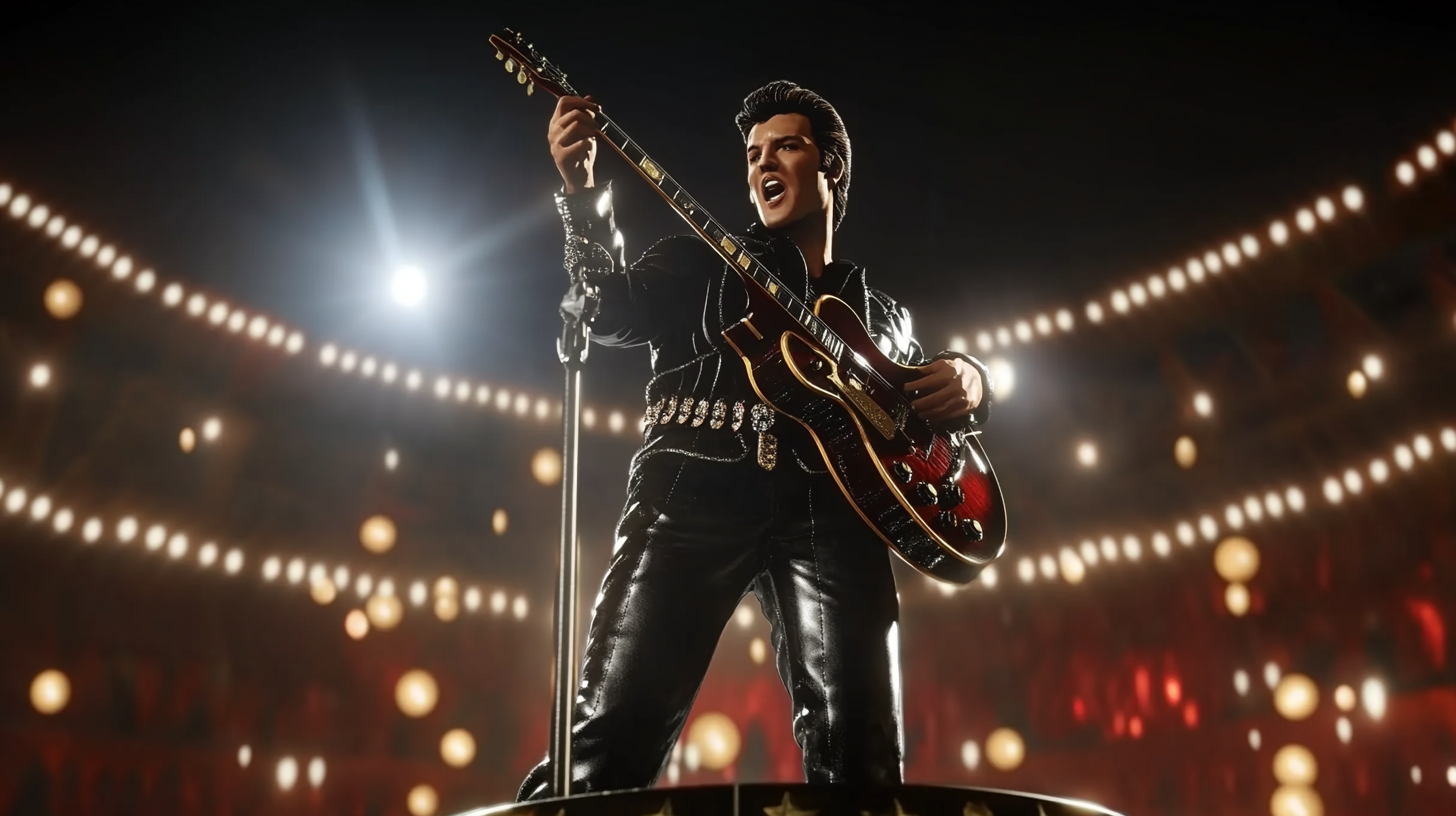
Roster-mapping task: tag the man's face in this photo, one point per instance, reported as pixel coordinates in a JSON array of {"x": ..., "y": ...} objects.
[{"x": 784, "y": 179}]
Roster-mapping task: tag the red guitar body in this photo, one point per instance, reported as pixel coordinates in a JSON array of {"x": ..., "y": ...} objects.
[{"x": 932, "y": 496}]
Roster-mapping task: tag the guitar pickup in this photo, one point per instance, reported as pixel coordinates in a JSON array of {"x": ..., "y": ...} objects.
[{"x": 854, "y": 391}]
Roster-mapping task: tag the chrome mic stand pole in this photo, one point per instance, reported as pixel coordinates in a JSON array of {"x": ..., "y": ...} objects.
[{"x": 578, "y": 309}]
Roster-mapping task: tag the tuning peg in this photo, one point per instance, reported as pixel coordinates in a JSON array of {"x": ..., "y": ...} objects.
[
  {"x": 521, "y": 77},
  {"x": 530, "y": 88},
  {"x": 510, "y": 65},
  {"x": 499, "y": 55}
]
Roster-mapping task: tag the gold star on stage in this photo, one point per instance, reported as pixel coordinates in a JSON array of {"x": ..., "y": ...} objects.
[
  {"x": 666, "y": 809},
  {"x": 786, "y": 808},
  {"x": 899, "y": 811},
  {"x": 978, "y": 809}
]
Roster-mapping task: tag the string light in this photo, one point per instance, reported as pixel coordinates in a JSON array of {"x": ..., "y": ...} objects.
[
  {"x": 254, "y": 327},
  {"x": 1233, "y": 252},
  {"x": 323, "y": 583},
  {"x": 1249, "y": 510}
]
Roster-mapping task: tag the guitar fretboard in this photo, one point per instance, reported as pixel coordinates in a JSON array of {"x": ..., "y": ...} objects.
[{"x": 719, "y": 238}]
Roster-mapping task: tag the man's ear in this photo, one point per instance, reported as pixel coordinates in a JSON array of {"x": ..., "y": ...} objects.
[{"x": 834, "y": 171}]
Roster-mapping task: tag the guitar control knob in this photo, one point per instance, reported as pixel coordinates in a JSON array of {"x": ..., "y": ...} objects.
[
  {"x": 902, "y": 472},
  {"x": 971, "y": 529},
  {"x": 947, "y": 520},
  {"x": 951, "y": 495},
  {"x": 925, "y": 493},
  {"x": 817, "y": 366}
]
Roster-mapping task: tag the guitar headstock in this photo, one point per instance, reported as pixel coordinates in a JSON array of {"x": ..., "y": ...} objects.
[{"x": 529, "y": 66}]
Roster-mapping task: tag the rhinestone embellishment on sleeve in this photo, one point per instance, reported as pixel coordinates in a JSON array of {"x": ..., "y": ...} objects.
[
  {"x": 737, "y": 416},
  {"x": 652, "y": 411},
  {"x": 668, "y": 410},
  {"x": 685, "y": 411},
  {"x": 700, "y": 413},
  {"x": 720, "y": 413}
]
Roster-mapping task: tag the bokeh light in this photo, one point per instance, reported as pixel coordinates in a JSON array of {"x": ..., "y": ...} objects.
[
  {"x": 716, "y": 738},
  {"x": 457, "y": 748},
  {"x": 416, "y": 693},
  {"x": 377, "y": 534},
  {"x": 1296, "y": 697},
  {"x": 1005, "y": 749},
  {"x": 50, "y": 691},
  {"x": 63, "y": 299},
  {"x": 546, "y": 466}
]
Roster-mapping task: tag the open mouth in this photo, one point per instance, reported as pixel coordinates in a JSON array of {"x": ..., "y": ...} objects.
[{"x": 773, "y": 190}]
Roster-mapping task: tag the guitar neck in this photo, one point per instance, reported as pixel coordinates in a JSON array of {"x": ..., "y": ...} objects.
[{"x": 720, "y": 239}]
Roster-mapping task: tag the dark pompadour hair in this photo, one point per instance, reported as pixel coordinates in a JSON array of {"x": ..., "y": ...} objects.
[{"x": 828, "y": 129}]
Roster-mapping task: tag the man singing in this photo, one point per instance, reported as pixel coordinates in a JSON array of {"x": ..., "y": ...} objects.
[{"x": 712, "y": 513}]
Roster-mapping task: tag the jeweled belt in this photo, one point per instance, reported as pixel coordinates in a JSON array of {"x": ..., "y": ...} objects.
[{"x": 689, "y": 411}]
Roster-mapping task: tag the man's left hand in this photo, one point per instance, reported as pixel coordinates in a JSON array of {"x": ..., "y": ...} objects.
[{"x": 950, "y": 389}]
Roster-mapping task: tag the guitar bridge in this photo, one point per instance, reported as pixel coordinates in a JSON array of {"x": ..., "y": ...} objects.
[{"x": 902, "y": 415}]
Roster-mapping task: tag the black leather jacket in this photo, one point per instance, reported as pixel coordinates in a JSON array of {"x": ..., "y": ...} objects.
[{"x": 679, "y": 296}]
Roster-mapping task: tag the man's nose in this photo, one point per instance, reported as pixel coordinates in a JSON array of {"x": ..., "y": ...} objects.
[{"x": 768, "y": 161}]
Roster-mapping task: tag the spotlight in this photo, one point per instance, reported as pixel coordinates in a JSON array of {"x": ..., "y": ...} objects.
[
  {"x": 408, "y": 286},
  {"x": 1353, "y": 198},
  {"x": 1003, "y": 377},
  {"x": 1087, "y": 454},
  {"x": 1405, "y": 172},
  {"x": 1094, "y": 312},
  {"x": 1278, "y": 233}
]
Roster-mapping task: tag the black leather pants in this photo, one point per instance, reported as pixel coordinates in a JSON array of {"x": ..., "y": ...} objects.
[{"x": 695, "y": 539}]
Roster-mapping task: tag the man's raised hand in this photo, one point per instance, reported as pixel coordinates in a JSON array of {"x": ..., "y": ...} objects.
[{"x": 573, "y": 141}]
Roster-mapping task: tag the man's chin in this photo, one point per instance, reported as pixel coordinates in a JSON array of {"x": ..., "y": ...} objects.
[{"x": 778, "y": 222}]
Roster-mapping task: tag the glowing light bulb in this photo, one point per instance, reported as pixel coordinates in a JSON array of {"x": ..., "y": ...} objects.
[
  {"x": 408, "y": 286},
  {"x": 1426, "y": 156}
]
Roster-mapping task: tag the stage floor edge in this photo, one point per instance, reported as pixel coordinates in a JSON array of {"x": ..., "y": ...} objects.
[{"x": 767, "y": 799}]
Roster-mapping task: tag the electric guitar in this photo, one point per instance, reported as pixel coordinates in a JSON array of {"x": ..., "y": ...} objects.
[{"x": 930, "y": 494}]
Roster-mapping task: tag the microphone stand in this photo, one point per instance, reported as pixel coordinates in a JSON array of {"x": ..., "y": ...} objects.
[{"x": 578, "y": 309}]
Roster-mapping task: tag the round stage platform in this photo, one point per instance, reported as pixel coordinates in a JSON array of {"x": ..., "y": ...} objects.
[{"x": 800, "y": 800}]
